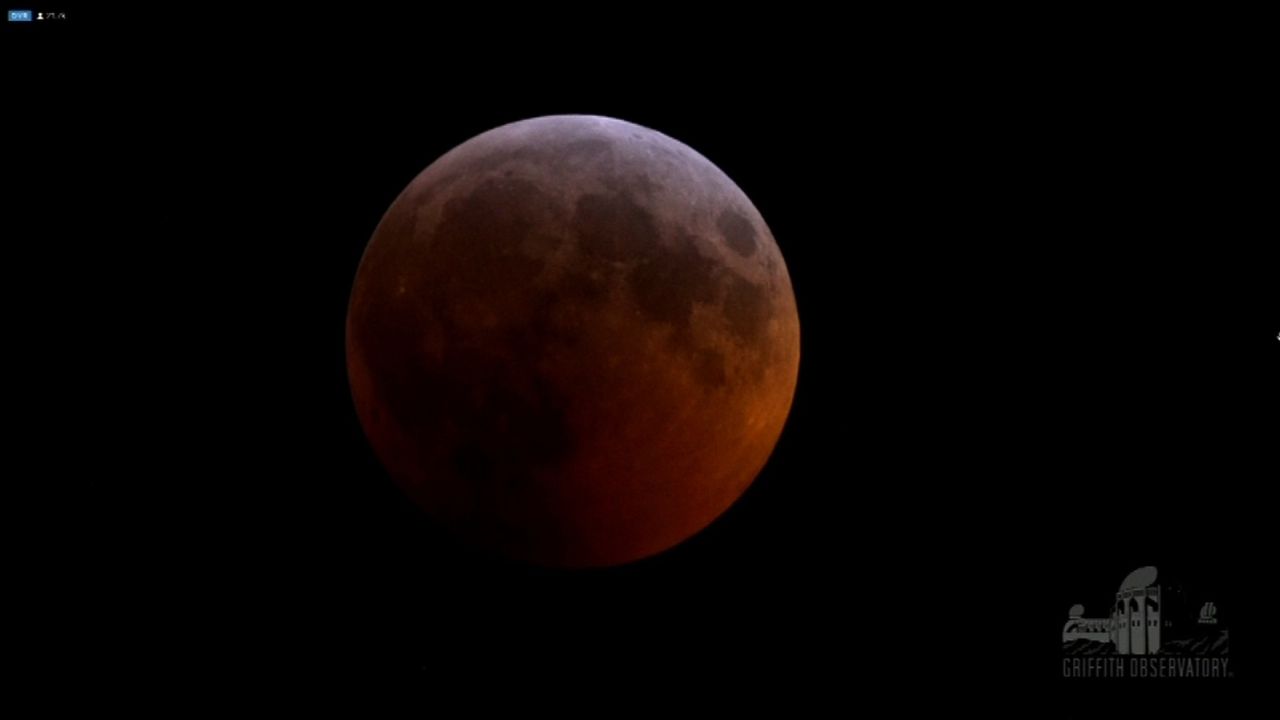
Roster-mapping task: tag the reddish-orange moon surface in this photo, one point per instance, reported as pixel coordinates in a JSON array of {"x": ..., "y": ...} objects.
[{"x": 573, "y": 341}]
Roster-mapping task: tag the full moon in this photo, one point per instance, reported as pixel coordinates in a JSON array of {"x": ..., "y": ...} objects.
[{"x": 573, "y": 341}]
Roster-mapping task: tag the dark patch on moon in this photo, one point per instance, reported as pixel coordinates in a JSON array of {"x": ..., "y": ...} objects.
[
  {"x": 666, "y": 283},
  {"x": 505, "y": 431},
  {"x": 503, "y": 423},
  {"x": 747, "y": 307},
  {"x": 738, "y": 232},
  {"x": 497, "y": 208},
  {"x": 613, "y": 227},
  {"x": 510, "y": 433},
  {"x": 506, "y": 421}
]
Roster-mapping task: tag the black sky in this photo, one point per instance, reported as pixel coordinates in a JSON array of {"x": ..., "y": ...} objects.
[{"x": 1039, "y": 346}]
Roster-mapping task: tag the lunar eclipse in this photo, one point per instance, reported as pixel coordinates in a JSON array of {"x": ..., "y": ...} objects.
[{"x": 573, "y": 341}]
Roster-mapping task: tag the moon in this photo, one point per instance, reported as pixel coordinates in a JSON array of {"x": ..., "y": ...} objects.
[{"x": 573, "y": 341}]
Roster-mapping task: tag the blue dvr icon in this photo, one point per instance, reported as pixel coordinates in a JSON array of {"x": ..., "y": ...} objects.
[{"x": 19, "y": 16}]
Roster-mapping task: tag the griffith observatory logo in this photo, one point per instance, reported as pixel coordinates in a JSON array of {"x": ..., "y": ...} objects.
[{"x": 1153, "y": 628}]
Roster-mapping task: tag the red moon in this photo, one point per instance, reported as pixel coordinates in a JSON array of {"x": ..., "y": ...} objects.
[{"x": 573, "y": 341}]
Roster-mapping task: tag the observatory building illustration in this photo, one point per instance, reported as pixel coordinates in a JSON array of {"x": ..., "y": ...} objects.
[{"x": 1145, "y": 617}]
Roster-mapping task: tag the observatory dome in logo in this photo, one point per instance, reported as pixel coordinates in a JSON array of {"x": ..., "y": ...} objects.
[{"x": 1148, "y": 616}]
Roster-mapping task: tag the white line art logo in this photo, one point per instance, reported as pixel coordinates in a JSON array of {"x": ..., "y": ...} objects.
[
  {"x": 1207, "y": 613},
  {"x": 1154, "y": 628}
]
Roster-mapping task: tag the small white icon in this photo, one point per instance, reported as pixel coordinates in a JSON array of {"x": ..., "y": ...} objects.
[
  {"x": 39, "y": 16},
  {"x": 1207, "y": 613}
]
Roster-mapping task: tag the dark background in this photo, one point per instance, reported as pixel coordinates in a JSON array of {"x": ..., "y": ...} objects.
[{"x": 1039, "y": 347}]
